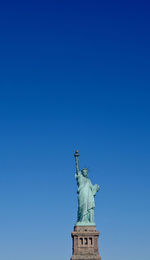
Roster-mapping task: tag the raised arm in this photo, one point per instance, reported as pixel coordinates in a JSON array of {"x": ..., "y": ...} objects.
[{"x": 76, "y": 155}]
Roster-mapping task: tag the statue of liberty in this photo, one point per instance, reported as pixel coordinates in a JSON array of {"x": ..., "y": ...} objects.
[{"x": 86, "y": 193}]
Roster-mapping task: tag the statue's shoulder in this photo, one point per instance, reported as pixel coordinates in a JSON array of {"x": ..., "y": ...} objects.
[
  {"x": 89, "y": 181},
  {"x": 79, "y": 175}
]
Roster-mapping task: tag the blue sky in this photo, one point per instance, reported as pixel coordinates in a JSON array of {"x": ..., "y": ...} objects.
[{"x": 74, "y": 75}]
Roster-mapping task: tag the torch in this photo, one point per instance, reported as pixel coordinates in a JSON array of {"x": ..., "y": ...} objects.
[{"x": 76, "y": 155}]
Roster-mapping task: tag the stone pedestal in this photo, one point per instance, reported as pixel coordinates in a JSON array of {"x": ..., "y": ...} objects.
[{"x": 85, "y": 243}]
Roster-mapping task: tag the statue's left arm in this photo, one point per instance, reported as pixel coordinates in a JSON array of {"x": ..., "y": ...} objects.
[{"x": 95, "y": 189}]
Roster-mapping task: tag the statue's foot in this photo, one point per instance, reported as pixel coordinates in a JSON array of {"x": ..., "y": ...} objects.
[{"x": 85, "y": 223}]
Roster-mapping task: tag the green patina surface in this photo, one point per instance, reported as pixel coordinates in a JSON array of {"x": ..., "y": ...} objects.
[{"x": 86, "y": 193}]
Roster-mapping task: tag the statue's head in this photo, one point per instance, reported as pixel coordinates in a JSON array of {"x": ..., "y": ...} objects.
[{"x": 84, "y": 172}]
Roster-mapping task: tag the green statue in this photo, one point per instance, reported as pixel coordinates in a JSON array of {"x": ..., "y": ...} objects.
[{"x": 86, "y": 193}]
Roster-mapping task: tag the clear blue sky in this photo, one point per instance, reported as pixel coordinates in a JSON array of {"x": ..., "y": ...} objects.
[{"x": 74, "y": 74}]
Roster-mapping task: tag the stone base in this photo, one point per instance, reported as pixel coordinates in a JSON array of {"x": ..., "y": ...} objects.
[
  {"x": 85, "y": 258},
  {"x": 85, "y": 243}
]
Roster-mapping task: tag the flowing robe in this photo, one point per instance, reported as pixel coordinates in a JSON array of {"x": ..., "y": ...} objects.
[{"x": 86, "y": 192}]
